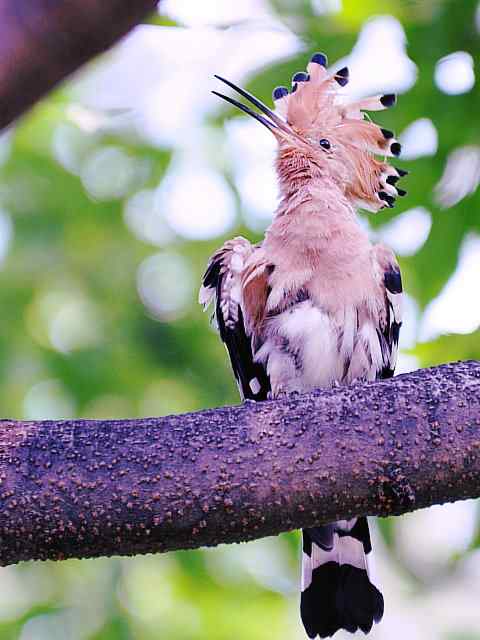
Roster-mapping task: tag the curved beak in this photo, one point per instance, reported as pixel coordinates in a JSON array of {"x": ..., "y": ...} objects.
[{"x": 272, "y": 121}]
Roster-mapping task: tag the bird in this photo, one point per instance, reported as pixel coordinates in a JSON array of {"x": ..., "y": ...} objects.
[{"x": 315, "y": 304}]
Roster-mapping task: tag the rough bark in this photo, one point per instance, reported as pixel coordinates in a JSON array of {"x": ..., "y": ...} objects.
[
  {"x": 89, "y": 488},
  {"x": 42, "y": 41}
]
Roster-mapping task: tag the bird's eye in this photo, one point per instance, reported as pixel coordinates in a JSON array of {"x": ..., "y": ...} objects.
[{"x": 324, "y": 143}]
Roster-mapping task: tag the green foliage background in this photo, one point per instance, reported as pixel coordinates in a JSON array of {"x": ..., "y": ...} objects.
[{"x": 68, "y": 248}]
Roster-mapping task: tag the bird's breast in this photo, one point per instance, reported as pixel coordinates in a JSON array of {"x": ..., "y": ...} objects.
[{"x": 307, "y": 346}]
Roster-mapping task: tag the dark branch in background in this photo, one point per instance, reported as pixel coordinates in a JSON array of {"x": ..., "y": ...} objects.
[
  {"x": 43, "y": 41},
  {"x": 90, "y": 488}
]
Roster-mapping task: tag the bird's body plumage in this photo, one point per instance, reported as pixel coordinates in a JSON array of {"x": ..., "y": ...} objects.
[
  {"x": 314, "y": 314},
  {"x": 316, "y": 304}
]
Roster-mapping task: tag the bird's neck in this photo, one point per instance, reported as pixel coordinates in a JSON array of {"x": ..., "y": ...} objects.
[
  {"x": 315, "y": 220},
  {"x": 302, "y": 180},
  {"x": 317, "y": 193},
  {"x": 294, "y": 173}
]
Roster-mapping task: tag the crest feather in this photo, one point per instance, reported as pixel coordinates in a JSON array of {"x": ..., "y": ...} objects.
[{"x": 317, "y": 107}]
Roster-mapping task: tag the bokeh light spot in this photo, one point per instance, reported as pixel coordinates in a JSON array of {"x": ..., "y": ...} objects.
[
  {"x": 6, "y": 234},
  {"x": 70, "y": 146},
  {"x": 419, "y": 139},
  {"x": 48, "y": 400},
  {"x": 6, "y": 144},
  {"x": 109, "y": 173},
  {"x": 75, "y": 324},
  {"x": 322, "y": 7},
  {"x": 165, "y": 285},
  {"x": 196, "y": 201},
  {"x": 48, "y": 627},
  {"x": 407, "y": 233},
  {"x": 145, "y": 221},
  {"x": 62, "y": 317},
  {"x": 392, "y": 71},
  {"x": 457, "y": 308},
  {"x": 460, "y": 176},
  {"x": 454, "y": 73}
]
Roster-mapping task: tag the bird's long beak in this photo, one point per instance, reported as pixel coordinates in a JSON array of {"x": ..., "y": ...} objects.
[{"x": 272, "y": 121}]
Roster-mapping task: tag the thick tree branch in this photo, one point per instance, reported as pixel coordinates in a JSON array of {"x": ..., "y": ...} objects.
[
  {"x": 90, "y": 488},
  {"x": 42, "y": 41}
]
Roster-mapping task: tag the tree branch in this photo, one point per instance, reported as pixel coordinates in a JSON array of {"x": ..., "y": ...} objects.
[
  {"x": 89, "y": 488},
  {"x": 43, "y": 41}
]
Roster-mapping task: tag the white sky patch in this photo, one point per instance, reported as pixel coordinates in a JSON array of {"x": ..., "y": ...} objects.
[
  {"x": 470, "y": 566},
  {"x": 454, "y": 73},
  {"x": 407, "y": 232},
  {"x": 406, "y": 363},
  {"x": 429, "y": 537},
  {"x": 259, "y": 193},
  {"x": 252, "y": 155},
  {"x": 411, "y": 317},
  {"x": 460, "y": 177},
  {"x": 419, "y": 139},
  {"x": 212, "y": 12},
  {"x": 196, "y": 201},
  {"x": 378, "y": 62},
  {"x": 457, "y": 308},
  {"x": 18, "y": 592},
  {"x": 246, "y": 140},
  {"x": 168, "y": 89},
  {"x": 258, "y": 560}
]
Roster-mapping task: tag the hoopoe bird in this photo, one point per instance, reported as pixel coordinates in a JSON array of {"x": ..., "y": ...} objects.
[{"x": 315, "y": 304}]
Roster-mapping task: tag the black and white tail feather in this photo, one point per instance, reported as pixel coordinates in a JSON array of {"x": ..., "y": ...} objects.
[{"x": 337, "y": 587}]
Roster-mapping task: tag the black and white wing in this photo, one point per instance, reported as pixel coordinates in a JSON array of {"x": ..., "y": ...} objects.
[
  {"x": 390, "y": 321},
  {"x": 222, "y": 286}
]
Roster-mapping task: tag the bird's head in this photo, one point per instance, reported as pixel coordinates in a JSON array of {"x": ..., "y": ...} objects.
[{"x": 322, "y": 134}]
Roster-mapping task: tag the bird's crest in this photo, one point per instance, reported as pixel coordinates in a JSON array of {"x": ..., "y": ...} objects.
[{"x": 319, "y": 120}]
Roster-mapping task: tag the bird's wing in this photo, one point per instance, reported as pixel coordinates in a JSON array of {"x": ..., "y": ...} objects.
[
  {"x": 236, "y": 284},
  {"x": 391, "y": 320}
]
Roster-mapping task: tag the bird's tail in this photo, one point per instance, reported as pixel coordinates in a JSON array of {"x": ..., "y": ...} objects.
[{"x": 337, "y": 592}]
